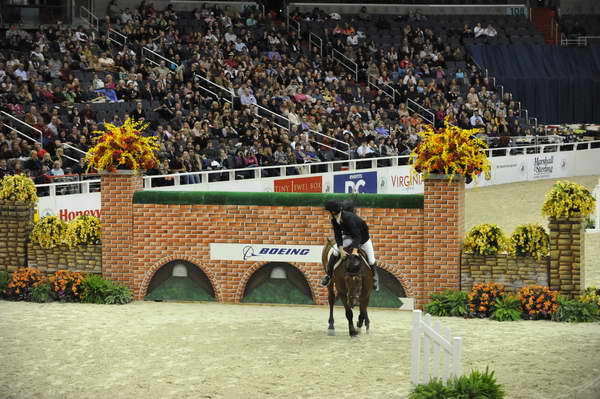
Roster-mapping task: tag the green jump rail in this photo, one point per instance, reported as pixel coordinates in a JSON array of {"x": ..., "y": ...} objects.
[{"x": 275, "y": 199}]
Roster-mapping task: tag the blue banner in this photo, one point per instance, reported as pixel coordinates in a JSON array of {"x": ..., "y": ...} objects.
[{"x": 355, "y": 183}]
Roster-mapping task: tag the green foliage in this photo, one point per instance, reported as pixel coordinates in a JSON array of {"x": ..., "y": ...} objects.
[
  {"x": 277, "y": 291},
  {"x": 448, "y": 303},
  {"x": 573, "y": 311},
  {"x": 98, "y": 290},
  {"x": 507, "y": 308},
  {"x": 589, "y": 223},
  {"x": 434, "y": 389},
  {"x": 42, "y": 293},
  {"x": 179, "y": 289},
  {"x": 477, "y": 385},
  {"x": 4, "y": 279}
]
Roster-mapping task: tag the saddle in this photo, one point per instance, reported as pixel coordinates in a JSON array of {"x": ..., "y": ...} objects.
[{"x": 361, "y": 254}]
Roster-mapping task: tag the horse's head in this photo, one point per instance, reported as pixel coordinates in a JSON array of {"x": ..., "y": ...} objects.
[{"x": 353, "y": 279}]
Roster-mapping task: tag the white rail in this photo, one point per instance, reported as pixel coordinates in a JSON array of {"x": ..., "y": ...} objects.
[
  {"x": 446, "y": 351},
  {"x": 415, "y": 107},
  {"x": 89, "y": 18},
  {"x": 312, "y": 40},
  {"x": 146, "y": 53},
  {"x": 346, "y": 62},
  {"x": 115, "y": 36},
  {"x": 38, "y": 131},
  {"x": 225, "y": 93}
]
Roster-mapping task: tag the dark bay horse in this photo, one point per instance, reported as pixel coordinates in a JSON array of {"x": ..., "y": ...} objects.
[{"x": 352, "y": 283}]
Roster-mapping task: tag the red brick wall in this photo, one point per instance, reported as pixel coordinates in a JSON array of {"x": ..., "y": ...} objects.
[{"x": 138, "y": 239}]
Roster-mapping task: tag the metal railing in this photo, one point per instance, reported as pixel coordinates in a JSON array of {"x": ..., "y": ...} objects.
[
  {"x": 388, "y": 90},
  {"x": 581, "y": 41},
  {"x": 117, "y": 37},
  {"x": 346, "y": 62},
  {"x": 88, "y": 17},
  {"x": 216, "y": 89},
  {"x": 273, "y": 117},
  {"x": 420, "y": 110},
  {"x": 312, "y": 41},
  {"x": 155, "y": 58},
  {"x": 294, "y": 26},
  {"x": 189, "y": 5},
  {"x": 13, "y": 119}
]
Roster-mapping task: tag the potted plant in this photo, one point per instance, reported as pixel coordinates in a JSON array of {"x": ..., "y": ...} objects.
[
  {"x": 450, "y": 151},
  {"x": 568, "y": 199},
  {"x": 123, "y": 147}
]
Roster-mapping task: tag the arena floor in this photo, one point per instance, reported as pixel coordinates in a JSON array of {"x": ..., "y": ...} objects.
[{"x": 211, "y": 350}]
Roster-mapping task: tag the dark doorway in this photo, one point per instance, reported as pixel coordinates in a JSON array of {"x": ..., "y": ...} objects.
[
  {"x": 180, "y": 280},
  {"x": 278, "y": 282}
]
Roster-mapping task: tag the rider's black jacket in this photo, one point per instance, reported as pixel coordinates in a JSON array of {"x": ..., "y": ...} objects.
[{"x": 352, "y": 226}]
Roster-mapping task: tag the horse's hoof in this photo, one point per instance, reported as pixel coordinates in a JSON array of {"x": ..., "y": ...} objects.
[
  {"x": 355, "y": 336},
  {"x": 331, "y": 332}
]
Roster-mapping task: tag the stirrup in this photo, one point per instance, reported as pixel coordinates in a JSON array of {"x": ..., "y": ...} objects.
[{"x": 325, "y": 281}]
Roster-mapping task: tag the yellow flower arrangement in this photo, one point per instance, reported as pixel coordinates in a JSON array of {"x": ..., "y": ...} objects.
[
  {"x": 451, "y": 151},
  {"x": 567, "y": 199},
  {"x": 530, "y": 240},
  {"x": 49, "y": 232},
  {"x": 83, "y": 230},
  {"x": 591, "y": 295},
  {"x": 18, "y": 188},
  {"x": 123, "y": 147},
  {"x": 486, "y": 239}
]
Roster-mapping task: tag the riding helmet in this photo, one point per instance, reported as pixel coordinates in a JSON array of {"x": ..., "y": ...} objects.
[{"x": 333, "y": 206}]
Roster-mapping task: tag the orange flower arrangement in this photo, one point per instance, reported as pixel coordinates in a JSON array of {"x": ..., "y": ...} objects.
[
  {"x": 67, "y": 285},
  {"x": 538, "y": 302},
  {"x": 22, "y": 282},
  {"x": 451, "y": 151},
  {"x": 483, "y": 297},
  {"x": 123, "y": 147}
]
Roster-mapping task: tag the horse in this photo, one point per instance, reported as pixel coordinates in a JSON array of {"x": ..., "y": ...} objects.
[{"x": 353, "y": 282}]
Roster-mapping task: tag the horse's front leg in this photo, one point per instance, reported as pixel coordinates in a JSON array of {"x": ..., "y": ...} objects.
[
  {"x": 331, "y": 298},
  {"x": 349, "y": 316},
  {"x": 363, "y": 317}
]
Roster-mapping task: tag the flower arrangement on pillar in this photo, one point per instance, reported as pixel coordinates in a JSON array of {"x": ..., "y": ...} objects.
[
  {"x": 567, "y": 200},
  {"x": 450, "y": 151},
  {"x": 123, "y": 147}
]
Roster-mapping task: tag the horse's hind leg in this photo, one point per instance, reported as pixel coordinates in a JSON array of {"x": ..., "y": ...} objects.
[{"x": 331, "y": 298}]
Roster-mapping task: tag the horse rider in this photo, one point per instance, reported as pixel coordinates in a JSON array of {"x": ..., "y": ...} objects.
[{"x": 350, "y": 231}]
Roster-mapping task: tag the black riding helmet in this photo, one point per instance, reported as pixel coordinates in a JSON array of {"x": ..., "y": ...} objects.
[{"x": 333, "y": 206}]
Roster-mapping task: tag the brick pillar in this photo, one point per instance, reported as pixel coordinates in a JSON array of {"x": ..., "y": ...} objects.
[
  {"x": 16, "y": 222},
  {"x": 117, "y": 224},
  {"x": 443, "y": 230},
  {"x": 566, "y": 254}
]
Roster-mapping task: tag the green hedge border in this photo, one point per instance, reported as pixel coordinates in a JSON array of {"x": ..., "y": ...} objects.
[{"x": 274, "y": 199}]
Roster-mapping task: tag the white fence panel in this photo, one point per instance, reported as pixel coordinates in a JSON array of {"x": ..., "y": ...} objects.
[{"x": 446, "y": 351}]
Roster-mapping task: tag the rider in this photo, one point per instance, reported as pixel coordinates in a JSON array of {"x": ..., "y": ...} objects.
[{"x": 350, "y": 231}]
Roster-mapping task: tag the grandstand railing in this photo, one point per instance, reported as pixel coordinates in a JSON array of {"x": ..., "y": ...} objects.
[
  {"x": 327, "y": 167},
  {"x": 70, "y": 184},
  {"x": 346, "y": 62},
  {"x": 13, "y": 119},
  {"x": 420, "y": 110},
  {"x": 294, "y": 26},
  {"x": 273, "y": 117},
  {"x": 315, "y": 40},
  {"x": 216, "y": 89},
  {"x": 117, "y": 37},
  {"x": 88, "y": 17},
  {"x": 152, "y": 57},
  {"x": 581, "y": 41},
  {"x": 189, "y": 5}
]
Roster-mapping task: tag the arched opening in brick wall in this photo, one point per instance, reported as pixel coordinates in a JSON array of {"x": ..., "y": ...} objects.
[
  {"x": 390, "y": 289},
  {"x": 278, "y": 282},
  {"x": 180, "y": 280}
]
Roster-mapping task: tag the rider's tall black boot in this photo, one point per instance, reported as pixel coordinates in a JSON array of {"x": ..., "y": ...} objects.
[
  {"x": 325, "y": 281},
  {"x": 375, "y": 276}
]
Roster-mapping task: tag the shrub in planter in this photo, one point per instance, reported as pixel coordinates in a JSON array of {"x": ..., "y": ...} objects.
[
  {"x": 507, "y": 308},
  {"x": 95, "y": 289},
  {"x": 538, "y": 302},
  {"x": 591, "y": 295},
  {"x": 18, "y": 188},
  {"x": 49, "y": 232},
  {"x": 22, "y": 282},
  {"x": 485, "y": 239},
  {"x": 448, "y": 303},
  {"x": 530, "y": 240},
  {"x": 83, "y": 230},
  {"x": 573, "y": 311},
  {"x": 482, "y": 299},
  {"x": 568, "y": 199},
  {"x": 66, "y": 285},
  {"x": 42, "y": 293},
  {"x": 474, "y": 385}
]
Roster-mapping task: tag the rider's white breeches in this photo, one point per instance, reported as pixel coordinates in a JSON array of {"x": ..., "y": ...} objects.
[{"x": 367, "y": 247}]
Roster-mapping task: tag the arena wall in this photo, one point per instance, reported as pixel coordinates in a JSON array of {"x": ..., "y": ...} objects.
[{"x": 418, "y": 244}]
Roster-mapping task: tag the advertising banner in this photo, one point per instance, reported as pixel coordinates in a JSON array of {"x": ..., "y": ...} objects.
[
  {"x": 548, "y": 166},
  {"x": 365, "y": 182},
  {"x": 266, "y": 253},
  {"x": 400, "y": 180},
  {"x": 313, "y": 184},
  {"x": 68, "y": 207}
]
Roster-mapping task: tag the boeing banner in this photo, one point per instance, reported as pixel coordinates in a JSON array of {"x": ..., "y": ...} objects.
[
  {"x": 365, "y": 182},
  {"x": 266, "y": 252}
]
